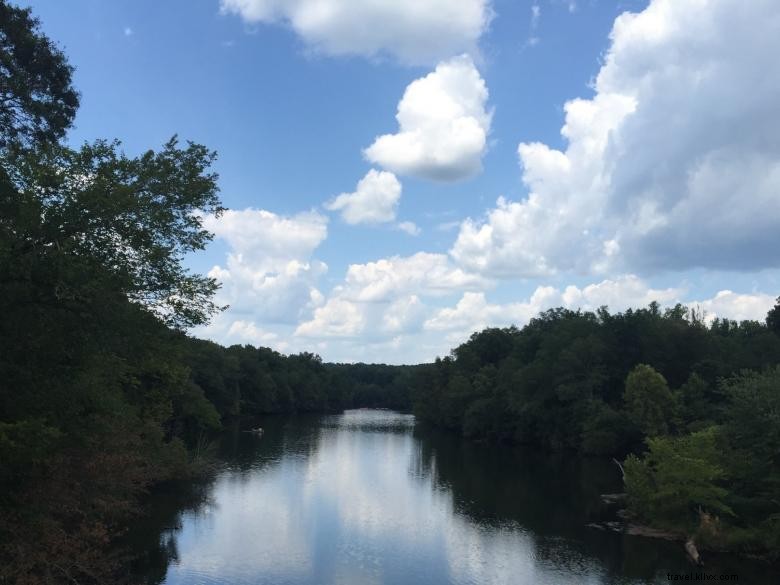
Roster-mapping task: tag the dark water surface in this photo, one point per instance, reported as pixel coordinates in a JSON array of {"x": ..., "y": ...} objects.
[{"x": 365, "y": 498}]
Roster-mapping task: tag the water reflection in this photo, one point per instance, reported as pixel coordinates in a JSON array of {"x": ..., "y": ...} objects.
[{"x": 366, "y": 498}]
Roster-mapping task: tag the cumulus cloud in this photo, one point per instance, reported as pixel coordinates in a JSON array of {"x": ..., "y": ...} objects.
[
  {"x": 421, "y": 273},
  {"x": 384, "y": 297},
  {"x": 336, "y": 318},
  {"x": 369, "y": 322},
  {"x": 269, "y": 271},
  {"x": 740, "y": 307},
  {"x": 375, "y": 199},
  {"x": 403, "y": 315},
  {"x": 443, "y": 125},
  {"x": 619, "y": 294},
  {"x": 674, "y": 163},
  {"x": 473, "y": 312},
  {"x": 410, "y": 31}
]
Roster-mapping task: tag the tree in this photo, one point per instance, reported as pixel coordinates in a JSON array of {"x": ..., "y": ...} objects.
[
  {"x": 95, "y": 399},
  {"x": 76, "y": 221},
  {"x": 773, "y": 318},
  {"x": 649, "y": 402},
  {"x": 753, "y": 432},
  {"x": 678, "y": 477},
  {"x": 37, "y": 100}
]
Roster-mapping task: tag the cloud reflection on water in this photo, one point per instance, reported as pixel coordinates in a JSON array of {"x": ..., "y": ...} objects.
[{"x": 362, "y": 508}]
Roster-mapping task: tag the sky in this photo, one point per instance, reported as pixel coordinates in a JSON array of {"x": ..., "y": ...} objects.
[{"x": 402, "y": 173}]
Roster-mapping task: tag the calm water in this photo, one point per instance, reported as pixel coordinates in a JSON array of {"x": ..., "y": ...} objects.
[{"x": 365, "y": 498}]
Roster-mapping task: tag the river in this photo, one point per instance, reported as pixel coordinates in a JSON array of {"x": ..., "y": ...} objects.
[{"x": 368, "y": 498}]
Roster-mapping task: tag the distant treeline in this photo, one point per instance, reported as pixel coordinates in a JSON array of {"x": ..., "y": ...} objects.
[
  {"x": 695, "y": 406},
  {"x": 246, "y": 381}
]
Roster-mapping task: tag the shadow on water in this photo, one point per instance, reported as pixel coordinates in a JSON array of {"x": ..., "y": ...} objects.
[
  {"x": 152, "y": 539},
  {"x": 367, "y": 497},
  {"x": 553, "y": 497}
]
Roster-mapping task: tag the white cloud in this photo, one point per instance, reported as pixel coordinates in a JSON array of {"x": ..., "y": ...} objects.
[
  {"x": 740, "y": 307},
  {"x": 375, "y": 323},
  {"x": 473, "y": 312},
  {"x": 268, "y": 239},
  {"x": 618, "y": 294},
  {"x": 443, "y": 125},
  {"x": 384, "y": 297},
  {"x": 421, "y": 273},
  {"x": 673, "y": 164},
  {"x": 269, "y": 272},
  {"x": 411, "y": 31},
  {"x": 251, "y": 333},
  {"x": 336, "y": 318},
  {"x": 128, "y": 31},
  {"x": 403, "y": 315},
  {"x": 409, "y": 227},
  {"x": 375, "y": 199}
]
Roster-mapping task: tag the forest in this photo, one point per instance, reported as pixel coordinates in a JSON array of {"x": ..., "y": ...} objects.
[
  {"x": 103, "y": 394},
  {"x": 691, "y": 407}
]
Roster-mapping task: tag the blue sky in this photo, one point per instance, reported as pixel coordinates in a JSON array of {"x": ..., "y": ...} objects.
[{"x": 402, "y": 173}]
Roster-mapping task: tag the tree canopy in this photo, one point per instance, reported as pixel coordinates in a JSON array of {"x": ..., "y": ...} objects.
[{"x": 37, "y": 99}]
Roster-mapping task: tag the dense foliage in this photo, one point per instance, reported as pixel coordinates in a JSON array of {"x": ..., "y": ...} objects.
[
  {"x": 37, "y": 100},
  {"x": 696, "y": 405},
  {"x": 248, "y": 381}
]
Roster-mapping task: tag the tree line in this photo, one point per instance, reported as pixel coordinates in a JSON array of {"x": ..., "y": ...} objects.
[{"x": 693, "y": 406}]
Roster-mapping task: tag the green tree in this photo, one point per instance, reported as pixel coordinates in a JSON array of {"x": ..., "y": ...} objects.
[
  {"x": 773, "y": 318},
  {"x": 95, "y": 398},
  {"x": 649, "y": 402},
  {"x": 678, "y": 477},
  {"x": 752, "y": 430},
  {"x": 95, "y": 219},
  {"x": 37, "y": 100}
]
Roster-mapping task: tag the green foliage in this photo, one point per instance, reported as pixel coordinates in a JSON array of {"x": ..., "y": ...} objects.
[
  {"x": 678, "y": 478},
  {"x": 773, "y": 318},
  {"x": 96, "y": 402},
  {"x": 570, "y": 380},
  {"x": 731, "y": 472},
  {"x": 93, "y": 220},
  {"x": 603, "y": 428},
  {"x": 561, "y": 381},
  {"x": 752, "y": 432},
  {"x": 37, "y": 101},
  {"x": 649, "y": 403}
]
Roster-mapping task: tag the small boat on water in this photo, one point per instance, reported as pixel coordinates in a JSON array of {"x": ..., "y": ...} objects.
[{"x": 257, "y": 431}]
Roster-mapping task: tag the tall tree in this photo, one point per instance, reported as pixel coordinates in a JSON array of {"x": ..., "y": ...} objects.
[
  {"x": 37, "y": 99},
  {"x": 773, "y": 318},
  {"x": 649, "y": 402},
  {"x": 94, "y": 215}
]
